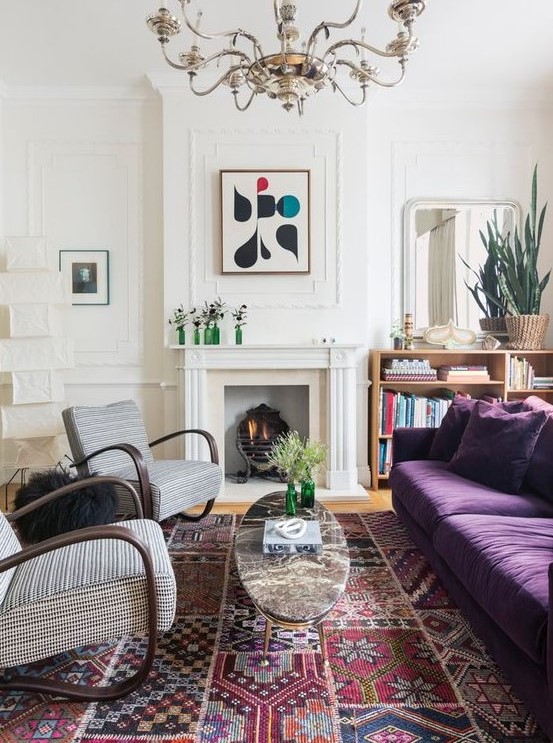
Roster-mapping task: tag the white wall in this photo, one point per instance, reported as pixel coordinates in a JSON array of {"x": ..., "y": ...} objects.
[{"x": 139, "y": 178}]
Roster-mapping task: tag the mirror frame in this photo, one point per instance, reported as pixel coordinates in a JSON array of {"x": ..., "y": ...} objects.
[{"x": 409, "y": 240}]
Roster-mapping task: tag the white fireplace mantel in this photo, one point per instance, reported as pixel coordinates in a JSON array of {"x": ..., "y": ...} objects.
[{"x": 279, "y": 364}]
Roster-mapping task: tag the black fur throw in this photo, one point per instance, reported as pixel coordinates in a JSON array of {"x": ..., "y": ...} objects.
[{"x": 89, "y": 506}]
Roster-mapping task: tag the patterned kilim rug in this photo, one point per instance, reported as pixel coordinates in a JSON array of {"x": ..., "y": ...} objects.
[{"x": 404, "y": 665}]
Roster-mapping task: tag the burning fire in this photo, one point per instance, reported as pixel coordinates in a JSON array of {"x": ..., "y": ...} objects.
[{"x": 257, "y": 432}]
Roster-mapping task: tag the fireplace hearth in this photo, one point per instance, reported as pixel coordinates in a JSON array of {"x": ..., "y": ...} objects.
[{"x": 255, "y": 435}]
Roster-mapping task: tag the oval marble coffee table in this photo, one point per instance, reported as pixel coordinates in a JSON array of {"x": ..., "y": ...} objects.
[{"x": 292, "y": 591}]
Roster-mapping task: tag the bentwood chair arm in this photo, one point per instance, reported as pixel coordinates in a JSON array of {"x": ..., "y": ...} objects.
[
  {"x": 212, "y": 444},
  {"x": 89, "y": 693},
  {"x": 79, "y": 484},
  {"x": 141, "y": 471}
]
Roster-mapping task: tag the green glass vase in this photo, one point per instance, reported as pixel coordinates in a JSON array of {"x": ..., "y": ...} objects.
[
  {"x": 291, "y": 500},
  {"x": 216, "y": 335},
  {"x": 181, "y": 336},
  {"x": 307, "y": 494},
  {"x": 208, "y": 336},
  {"x": 238, "y": 336},
  {"x": 197, "y": 337}
]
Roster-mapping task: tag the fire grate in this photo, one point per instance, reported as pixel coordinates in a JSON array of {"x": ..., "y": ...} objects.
[{"x": 255, "y": 436}]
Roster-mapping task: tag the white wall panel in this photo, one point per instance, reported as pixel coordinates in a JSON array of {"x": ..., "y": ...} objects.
[{"x": 85, "y": 196}]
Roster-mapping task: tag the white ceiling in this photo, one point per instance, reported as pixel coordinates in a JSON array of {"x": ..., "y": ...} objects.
[{"x": 501, "y": 46}]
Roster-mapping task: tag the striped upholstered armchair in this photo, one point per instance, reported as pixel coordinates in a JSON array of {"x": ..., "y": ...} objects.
[
  {"x": 112, "y": 440},
  {"x": 81, "y": 588}
]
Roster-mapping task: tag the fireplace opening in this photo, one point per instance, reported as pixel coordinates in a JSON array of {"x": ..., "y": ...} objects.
[
  {"x": 255, "y": 436},
  {"x": 293, "y": 402}
]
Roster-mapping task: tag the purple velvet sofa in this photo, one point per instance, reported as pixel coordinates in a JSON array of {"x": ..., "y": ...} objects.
[{"x": 477, "y": 498}]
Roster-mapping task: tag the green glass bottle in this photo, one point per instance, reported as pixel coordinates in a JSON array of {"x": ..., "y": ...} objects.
[
  {"x": 216, "y": 335},
  {"x": 238, "y": 336},
  {"x": 208, "y": 336},
  {"x": 197, "y": 337},
  {"x": 291, "y": 500},
  {"x": 181, "y": 336},
  {"x": 307, "y": 494}
]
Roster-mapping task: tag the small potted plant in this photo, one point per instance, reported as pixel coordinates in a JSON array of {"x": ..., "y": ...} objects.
[
  {"x": 239, "y": 317},
  {"x": 397, "y": 335},
  {"x": 179, "y": 320}
]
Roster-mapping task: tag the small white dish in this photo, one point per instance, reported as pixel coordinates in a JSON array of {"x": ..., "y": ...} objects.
[{"x": 291, "y": 528}]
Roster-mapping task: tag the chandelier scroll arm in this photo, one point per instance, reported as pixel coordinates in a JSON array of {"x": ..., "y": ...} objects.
[
  {"x": 363, "y": 45},
  {"x": 366, "y": 74},
  {"x": 238, "y": 32},
  {"x": 248, "y": 102},
  {"x": 204, "y": 62},
  {"x": 325, "y": 25},
  {"x": 228, "y": 73},
  {"x": 338, "y": 87}
]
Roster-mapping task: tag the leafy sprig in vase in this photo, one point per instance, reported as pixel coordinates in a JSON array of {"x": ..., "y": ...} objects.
[
  {"x": 219, "y": 310},
  {"x": 178, "y": 321},
  {"x": 239, "y": 316},
  {"x": 196, "y": 319},
  {"x": 313, "y": 457},
  {"x": 286, "y": 455}
]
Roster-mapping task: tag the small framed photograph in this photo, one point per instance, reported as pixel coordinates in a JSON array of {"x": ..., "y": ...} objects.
[
  {"x": 265, "y": 221},
  {"x": 88, "y": 271}
]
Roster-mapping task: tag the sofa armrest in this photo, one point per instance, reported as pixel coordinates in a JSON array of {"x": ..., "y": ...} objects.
[{"x": 411, "y": 443}]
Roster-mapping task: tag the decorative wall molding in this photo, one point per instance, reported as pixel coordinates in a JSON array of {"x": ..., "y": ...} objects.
[
  {"x": 320, "y": 151},
  {"x": 61, "y": 176}
]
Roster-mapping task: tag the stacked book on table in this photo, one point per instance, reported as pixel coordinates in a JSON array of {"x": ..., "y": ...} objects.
[
  {"x": 408, "y": 370},
  {"x": 463, "y": 373}
]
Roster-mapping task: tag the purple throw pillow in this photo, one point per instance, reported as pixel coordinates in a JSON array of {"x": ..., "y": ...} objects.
[
  {"x": 497, "y": 446},
  {"x": 539, "y": 476},
  {"x": 449, "y": 434}
]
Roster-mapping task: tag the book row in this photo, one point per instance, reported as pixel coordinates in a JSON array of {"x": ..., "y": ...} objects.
[{"x": 405, "y": 409}]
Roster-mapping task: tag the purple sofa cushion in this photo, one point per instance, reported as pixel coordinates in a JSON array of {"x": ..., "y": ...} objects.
[
  {"x": 497, "y": 445},
  {"x": 539, "y": 476},
  {"x": 503, "y": 563},
  {"x": 430, "y": 493},
  {"x": 449, "y": 434}
]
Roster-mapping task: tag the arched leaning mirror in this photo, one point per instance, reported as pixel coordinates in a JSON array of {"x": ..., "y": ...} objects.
[{"x": 437, "y": 234}]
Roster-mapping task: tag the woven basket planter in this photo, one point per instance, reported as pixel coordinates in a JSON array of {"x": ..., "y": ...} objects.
[
  {"x": 527, "y": 332},
  {"x": 493, "y": 325}
]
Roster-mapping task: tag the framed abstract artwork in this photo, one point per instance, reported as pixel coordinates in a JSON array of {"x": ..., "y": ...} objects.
[
  {"x": 88, "y": 271},
  {"x": 265, "y": 221}
]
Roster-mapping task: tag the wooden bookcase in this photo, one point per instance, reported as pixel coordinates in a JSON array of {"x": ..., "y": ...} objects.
[{"x": 497, "y": 362}]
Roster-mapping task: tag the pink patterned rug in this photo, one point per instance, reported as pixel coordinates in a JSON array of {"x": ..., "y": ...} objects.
[{"x": 404, "y": 665}]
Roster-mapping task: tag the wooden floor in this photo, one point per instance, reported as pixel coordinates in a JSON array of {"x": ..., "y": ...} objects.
[{"x": 376, "y": 501}]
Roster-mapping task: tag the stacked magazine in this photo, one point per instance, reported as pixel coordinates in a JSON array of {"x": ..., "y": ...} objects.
[{"x": 408, "y": 370}]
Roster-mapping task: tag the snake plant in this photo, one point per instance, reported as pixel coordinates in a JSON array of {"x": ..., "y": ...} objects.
[
  {"x": 509, "y": 279},
  {"x": 519, "y": 280},
  {"x": 486, "y": 291}
]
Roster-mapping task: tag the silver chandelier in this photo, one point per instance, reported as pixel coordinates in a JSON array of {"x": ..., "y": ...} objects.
[{"x": 289, "y": 75}]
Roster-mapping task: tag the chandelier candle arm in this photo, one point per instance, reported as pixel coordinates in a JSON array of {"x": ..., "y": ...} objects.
[
  {"x": 325, "y": 25},
  {"x": 290, "y": 75}
]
